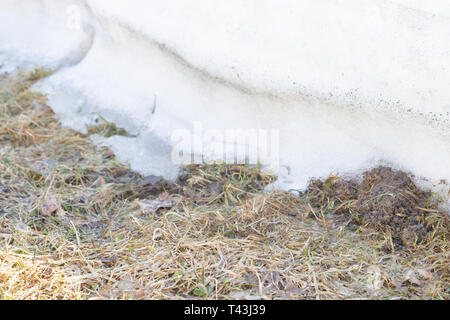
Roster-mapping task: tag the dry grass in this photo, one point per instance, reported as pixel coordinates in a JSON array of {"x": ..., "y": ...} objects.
[{"x": 71, "y": 227}]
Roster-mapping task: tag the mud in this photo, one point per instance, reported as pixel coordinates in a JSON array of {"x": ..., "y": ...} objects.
[
  {"x": 386, "y": 200},
  {"x": 196, "y": 183}
]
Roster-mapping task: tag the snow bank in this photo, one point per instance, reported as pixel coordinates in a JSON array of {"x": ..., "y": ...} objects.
[{"x": 348, "y": 84}]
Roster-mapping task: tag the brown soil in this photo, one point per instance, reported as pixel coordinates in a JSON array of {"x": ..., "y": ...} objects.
[{"x": 386, "y": 200}]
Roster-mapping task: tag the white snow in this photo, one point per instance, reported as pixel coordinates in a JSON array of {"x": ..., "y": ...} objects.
[{"x": 349, "y": 83}]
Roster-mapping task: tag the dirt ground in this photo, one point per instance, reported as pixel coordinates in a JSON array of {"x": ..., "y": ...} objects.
[
  {"x": 386, "y": 200},
  {"x": 76, "y": 223}
]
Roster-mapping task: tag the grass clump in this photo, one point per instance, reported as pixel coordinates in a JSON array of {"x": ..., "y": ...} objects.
[
  {"x": 107, "y": 129},
  {"x": 387, "y": 201}
]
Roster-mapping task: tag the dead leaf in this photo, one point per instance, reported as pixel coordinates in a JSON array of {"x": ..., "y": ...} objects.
[
  {"x": 43, "y": 167},
  {"x": 109, "y": 261},
  {"x": 151, "y": 180},
  {"x": 426, "y": 275},
  {"x": 164, "y": 197},
  {"x": 411, "y": 278},
  {"x": 108, "y": 154},
  {"x": 151, "y": 206},
  {"x": 140, "y": 294},
  {"x": 49, "y": 206}
]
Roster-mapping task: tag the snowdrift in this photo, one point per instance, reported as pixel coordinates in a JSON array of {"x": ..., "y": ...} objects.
[{"x": 347, "y": 84}]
